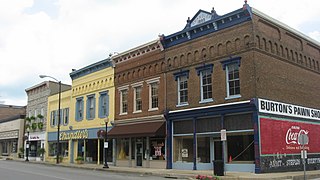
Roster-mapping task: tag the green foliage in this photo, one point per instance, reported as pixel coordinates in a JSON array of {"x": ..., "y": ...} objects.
[
  {"x": 79, "y": 158},
  {"x": 32, "y": 118},
  {"x": 40, "y": 116},
  {"x": 41, "y": 151},
  {"x": 40, "y": 125},
  {"x": 34, "y": 126},
  {"x": 28, "y": 119}
]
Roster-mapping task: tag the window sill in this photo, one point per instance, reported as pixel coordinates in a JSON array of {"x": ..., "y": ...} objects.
[
  {"x": 123, "y": 114},
  {"x": 233, "y": 97},
  {"x": 206, "y": 101},
  {"x": 135, "y": 112},
  {"x": 181, "y": 105},
  {"x": 154, "y": 109}
]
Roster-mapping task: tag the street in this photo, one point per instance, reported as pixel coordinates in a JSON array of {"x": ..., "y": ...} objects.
[{"x": 12, "y": 170}]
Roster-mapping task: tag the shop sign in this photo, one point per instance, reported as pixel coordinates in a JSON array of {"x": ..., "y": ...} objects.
[
  {"x": 279, "y": 108},
  {"x": 184, "y": 153},
  {"x": 79, "y": 134},
  {"x": 157, "y": 148},
  {"x": 282, "y": 137}
]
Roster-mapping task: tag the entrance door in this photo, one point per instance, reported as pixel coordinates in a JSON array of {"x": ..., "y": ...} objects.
[
  {"x": 217, "y": 150},
  {"x": 139, "y": 151}
]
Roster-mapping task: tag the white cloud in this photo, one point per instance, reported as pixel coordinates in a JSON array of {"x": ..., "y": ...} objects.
[{"x": 85, "y": 31}]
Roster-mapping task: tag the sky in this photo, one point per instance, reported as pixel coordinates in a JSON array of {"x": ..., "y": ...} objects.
[{"x": 52, "y": 37}]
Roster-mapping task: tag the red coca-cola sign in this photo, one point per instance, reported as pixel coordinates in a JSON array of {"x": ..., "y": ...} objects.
[{"x": 282, "y": 136}]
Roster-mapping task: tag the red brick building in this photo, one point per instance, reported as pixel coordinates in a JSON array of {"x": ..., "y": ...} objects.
[
  {"x": 249, "y": 75},
  {"x": 139, "y": 130},
  {"x": 239, "y": 89}
]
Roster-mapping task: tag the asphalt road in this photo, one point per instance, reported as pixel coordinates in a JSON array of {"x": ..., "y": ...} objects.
[{"x": 12, "y": 170}]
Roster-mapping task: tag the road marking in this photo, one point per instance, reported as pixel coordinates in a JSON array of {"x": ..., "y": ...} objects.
[{"x": 40, "y": 174}]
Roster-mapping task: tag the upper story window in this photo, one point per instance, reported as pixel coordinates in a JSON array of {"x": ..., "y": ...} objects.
[
  {"x": 103, "y": 104},
  {"x": 153, "y": 94},
  {"x": 231, "y": 66},
  {"x": 137, "y": 97},
  {"x": 182, "y": 85},
  {"x": 66, "y": 116},
  {"x": 54, "y": 118},
  {"x": 123, "y": 100},
  {"x": 205, "y": 73},
  {"x": 91, "y": 106},
  {"x": 79, "y": 109}
]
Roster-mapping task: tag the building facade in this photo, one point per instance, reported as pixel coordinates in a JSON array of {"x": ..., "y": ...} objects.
[
  {"x": 139, "y": 129},
  {"x": 12, "y": 131},
  {"x": 36, "y": 119},
  {"x": 84, "y": 111},
  {"x": 217, "y": 70}
]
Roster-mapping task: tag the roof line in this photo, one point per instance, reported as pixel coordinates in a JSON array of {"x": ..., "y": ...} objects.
[{"x": 285, "y": 26}]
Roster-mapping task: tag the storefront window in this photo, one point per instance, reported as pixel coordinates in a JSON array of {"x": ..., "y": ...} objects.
[
  {"x": 64, "y": 146},
  {"x": 183, "y": 149},
  {"x": 14, "y": 146},
  {"x": 241, "y": 148},
  {"x": 203, "y": 149},
  {"x": 157, "y": 149},
  {"x": 123, "y": 149},
  {"x": 5, "y": 146}
]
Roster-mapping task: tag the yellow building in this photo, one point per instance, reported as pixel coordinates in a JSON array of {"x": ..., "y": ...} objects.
[{"x": 90, "y": 104}]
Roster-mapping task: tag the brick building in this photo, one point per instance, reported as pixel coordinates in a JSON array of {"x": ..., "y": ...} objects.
[
  {"x": 36, "y": 113},
  {"x": 246, "y": 74},
  {"x": 11, "y": 130},
  {"x": 139, "y": 129}
]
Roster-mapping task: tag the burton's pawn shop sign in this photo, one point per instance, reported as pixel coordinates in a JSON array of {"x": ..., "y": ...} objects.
[{"x": 279, "y": 108}]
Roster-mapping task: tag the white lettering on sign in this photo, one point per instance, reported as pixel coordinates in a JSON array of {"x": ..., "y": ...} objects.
[
  {"x": 279, "y": 108},
  {"x": 201, "y": 18},
  {"x": 293, "y": 134}
]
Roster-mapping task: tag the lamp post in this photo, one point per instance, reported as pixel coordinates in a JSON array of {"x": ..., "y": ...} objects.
[
  {"x": 106, "y": 145},
  {"x": 59, "y": 117},
  {"x": 27, "y": 144}
]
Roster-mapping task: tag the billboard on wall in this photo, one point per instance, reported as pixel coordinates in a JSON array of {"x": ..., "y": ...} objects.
[{"x": 281, "y": 136}]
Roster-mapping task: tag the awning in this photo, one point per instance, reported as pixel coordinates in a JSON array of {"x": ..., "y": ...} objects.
[{"x": 150, "y": 129}]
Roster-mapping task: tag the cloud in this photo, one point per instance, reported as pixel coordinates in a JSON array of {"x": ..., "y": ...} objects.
[{"x": 55, "y": 36}]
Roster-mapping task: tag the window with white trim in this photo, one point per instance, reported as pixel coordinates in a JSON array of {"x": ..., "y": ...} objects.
[
  {"x": 182, "y": 87},
  {"x": 206, "y": 85},
  {"x": 182, "y": 90},
  {"x": 205, "y": 75},
  {"x": 137, "y": 99},
  {"x": 153, "y": 93},
  {"x": 124, "y": 101},
  {"x": 66, "y": 116},
  {"x": 231, "y": 66},
  {"x": 233, "y": 80}
]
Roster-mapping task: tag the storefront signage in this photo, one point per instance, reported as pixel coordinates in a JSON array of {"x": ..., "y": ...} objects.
[
  {"x": 79, "y": 134},
  {"x": 282, "y": 136},
  {"x": 279, "y": 108}
]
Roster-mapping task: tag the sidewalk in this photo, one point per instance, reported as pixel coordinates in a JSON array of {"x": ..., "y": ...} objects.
[{"x": 187, "y": 174}]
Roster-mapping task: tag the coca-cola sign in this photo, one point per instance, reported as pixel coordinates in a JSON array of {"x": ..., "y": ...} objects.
[
  {"x": 279, "y": 136},
  {"x": 294, "y": 133}
]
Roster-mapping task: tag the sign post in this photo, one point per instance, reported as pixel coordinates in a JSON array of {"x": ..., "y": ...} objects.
[{"x": 303, "y": 139}]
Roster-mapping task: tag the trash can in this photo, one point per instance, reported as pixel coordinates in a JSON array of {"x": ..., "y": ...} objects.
[{"x": 218, "y": 168}]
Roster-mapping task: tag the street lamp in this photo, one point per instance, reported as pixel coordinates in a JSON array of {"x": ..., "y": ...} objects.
[
  {"x": 27, "y": 146},
  {"x": 59, "y": 118},
  {"x": 106, "y": 145}
]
